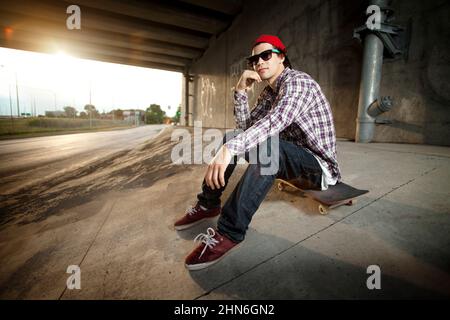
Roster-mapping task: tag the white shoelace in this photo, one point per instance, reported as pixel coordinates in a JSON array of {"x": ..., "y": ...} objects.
[
  {"x": 191, "y": 210},
  {"x": 207, "y": 239}
]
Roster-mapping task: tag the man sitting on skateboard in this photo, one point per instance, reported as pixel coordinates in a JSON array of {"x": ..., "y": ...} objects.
[{"x": 293, "y": 107}]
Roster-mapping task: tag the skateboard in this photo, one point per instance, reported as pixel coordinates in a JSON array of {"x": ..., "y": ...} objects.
[{"x": 335, "y": 196}]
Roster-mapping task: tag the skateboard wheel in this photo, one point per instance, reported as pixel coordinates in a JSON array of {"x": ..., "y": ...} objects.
[
  {"x": 322, "y": 209},
  {"x": 280, "y": 186},
  {"x": 351, "y": 202}
]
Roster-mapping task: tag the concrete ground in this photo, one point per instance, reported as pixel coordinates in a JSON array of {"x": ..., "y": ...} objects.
[{"x": 124, "y": 242}]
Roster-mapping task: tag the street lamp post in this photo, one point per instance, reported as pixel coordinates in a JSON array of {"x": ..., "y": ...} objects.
[
  {"x": 10, "y": 101},
  {"x": 90, "y": 103},
  {"x": 54, "y": 95},
  {"x": 10, "y": 107},
  {"x": 17, "y": 95}
]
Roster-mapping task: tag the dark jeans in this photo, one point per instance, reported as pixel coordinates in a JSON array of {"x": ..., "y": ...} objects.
[{"x": 293, "y": 162}]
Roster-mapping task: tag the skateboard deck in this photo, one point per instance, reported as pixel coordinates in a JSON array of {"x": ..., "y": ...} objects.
[{"x": 335, "y": 196}]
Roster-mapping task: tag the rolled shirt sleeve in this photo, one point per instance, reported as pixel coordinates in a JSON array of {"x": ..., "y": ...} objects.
[
  {"x": 241, "y": 110},
  {"x": 293, "y": 99}
]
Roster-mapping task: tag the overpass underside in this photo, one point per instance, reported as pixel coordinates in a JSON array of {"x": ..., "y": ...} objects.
[
  {"x": 208, "y": 41},
  {"x": 166, "y": 35}
]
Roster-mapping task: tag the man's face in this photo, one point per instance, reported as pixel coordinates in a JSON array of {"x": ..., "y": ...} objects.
[{"x": 270, "y": 68}]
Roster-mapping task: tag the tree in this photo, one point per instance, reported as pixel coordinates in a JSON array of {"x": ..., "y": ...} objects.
[
  {"x": 91, "y": 111},
  {"x": 177, "y": 116},
  {"x": 154, "y": 114},
  {"x": 70, "y": 112},
  {"x": 83, "y": 115}
]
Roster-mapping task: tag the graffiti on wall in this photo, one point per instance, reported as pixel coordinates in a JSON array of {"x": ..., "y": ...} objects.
[{"x": 207, "y": 96}]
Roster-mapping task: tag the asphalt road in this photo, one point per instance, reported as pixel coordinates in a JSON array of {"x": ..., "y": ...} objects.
[{"x": 23, "y": 161}]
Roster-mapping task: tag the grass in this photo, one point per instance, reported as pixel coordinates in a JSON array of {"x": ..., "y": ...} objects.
[{"x": 30, "y": 127}]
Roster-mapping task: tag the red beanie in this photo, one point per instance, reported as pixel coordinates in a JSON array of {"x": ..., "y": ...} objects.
[{"x": 273, "y": 40}]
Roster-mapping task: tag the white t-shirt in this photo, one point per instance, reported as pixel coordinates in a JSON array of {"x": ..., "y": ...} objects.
[{"x": 327, "y": 179}]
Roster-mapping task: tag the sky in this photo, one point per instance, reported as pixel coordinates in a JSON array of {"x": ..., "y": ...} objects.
[{"x": 48, "y": 82}]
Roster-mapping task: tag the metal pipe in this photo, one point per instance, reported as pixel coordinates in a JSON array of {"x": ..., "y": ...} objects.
[
  {"x": 370, "y": 80},
  {"x": 379, "y": 107},
  {"x": 370, "y": 86}
]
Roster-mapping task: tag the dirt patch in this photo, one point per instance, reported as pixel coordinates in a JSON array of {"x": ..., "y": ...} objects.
[{"x": 139, "y": 167}]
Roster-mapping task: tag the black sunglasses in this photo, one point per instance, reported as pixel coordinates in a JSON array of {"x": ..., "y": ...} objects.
[{"x": 265, "y": 55}]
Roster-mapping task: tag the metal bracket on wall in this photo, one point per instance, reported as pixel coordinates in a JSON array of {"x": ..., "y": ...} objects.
[{"x": 396, "y": 39}]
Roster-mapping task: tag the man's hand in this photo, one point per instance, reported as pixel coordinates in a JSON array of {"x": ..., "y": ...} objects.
[
  {"x": 215, "y": 174},
  {"x": 248, "y": 77}
]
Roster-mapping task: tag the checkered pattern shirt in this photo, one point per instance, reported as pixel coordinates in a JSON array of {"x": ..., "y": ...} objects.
[{"x": 297, "y": 109}]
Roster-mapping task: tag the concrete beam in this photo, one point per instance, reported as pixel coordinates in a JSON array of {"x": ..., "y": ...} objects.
[
  {"x": 81, "y": 53},
  {"x": 43, "y": 27},
  {"x": 92, "y": 49},
  {"x": 230, "y": 7},
  {"x": 94, "y": 20},
  {"x": 161, "y": 12}
]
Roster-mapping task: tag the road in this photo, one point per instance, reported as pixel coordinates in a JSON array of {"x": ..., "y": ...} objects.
[{"x": 23, "y": 161}]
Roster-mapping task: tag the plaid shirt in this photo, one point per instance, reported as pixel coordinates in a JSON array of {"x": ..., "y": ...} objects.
[{"x": 297, "y": 109}]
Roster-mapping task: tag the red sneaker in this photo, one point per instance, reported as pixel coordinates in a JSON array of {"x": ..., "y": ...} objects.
[
  {"x": 214, "y": 247},
  {"x": 195, "y": 215}
]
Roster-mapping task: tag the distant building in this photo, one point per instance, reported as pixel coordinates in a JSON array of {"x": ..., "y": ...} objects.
[{"x": 134, "y": 116}]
